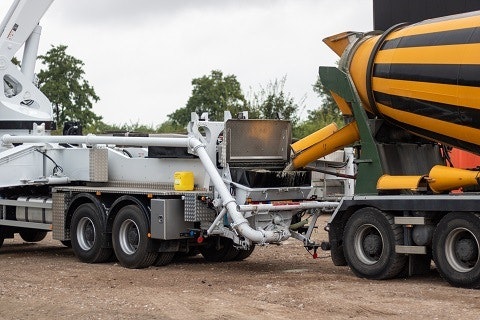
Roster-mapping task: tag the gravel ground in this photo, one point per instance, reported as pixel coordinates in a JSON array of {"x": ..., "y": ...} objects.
[{"x": 45, "y": 281}]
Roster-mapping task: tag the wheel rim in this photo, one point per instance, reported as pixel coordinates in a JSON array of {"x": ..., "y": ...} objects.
[
  {"x": 368, "y": 244},
  {"x": 86, "y": 233},
  {"x": 129, "y": 236},
  {"x": 462, "y": 250}
]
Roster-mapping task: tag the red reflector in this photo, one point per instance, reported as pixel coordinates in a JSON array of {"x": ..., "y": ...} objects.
[{"x": 200, "y": 239}]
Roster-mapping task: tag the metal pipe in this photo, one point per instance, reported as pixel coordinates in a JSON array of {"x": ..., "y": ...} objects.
[
  {"x": 330, "y": 206},
  {"x": 240, "y": 223},
  {"x": 217, "y": 220},
  {"x": 93, "y": 140}
]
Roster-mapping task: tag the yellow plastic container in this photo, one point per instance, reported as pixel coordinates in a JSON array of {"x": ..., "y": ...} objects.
[{"x": 183, "y": 181}]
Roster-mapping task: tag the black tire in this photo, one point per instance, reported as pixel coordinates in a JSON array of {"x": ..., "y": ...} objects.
[
  {"x": 220, "y": 250},
  {"x": 164, "y": 258},
  {"x": 32, "y": 235},
  {"x": 131, "y": 243},
  {"x": 456, "y": 247},
  {"x": 2, "y": 236},
  {"x": 244, "y": 254},
  {"x": 67, "y": 243},
  {"x": 88, "y": 237},
  {"x": 369, "y": 243},
  {"x": 337, "y": 255}
]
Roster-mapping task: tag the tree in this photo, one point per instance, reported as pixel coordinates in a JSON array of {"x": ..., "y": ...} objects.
[
  {"x": 272, "y": 102},
  {"x": 62, "y": 81},
  {"x": 327, "y": 113},
  {"x": 213, "y": 94}
]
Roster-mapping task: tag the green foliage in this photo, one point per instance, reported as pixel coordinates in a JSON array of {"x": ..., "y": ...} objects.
[
  {"x": 272, "y": 102},
  {"x": 213, "y": 94},
  {"x": 327, "y": 113},
  {"x": 63, "y": 83},
  {"x": 16, "y": 62}
]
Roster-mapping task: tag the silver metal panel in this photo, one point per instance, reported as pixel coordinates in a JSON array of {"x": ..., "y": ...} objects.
[
  {"x": 410, "y": 220},
  {"x": 411, "y": 249},
  {"x": 23, "y": 224},
  {"x": 257, "y": 141},
  {"x": 269, "y": 194},
  {"x": 98, "y": 159},
  {"x": 34, "y": 209},
  {"x": 167, "y": 220},
  {"x": 133, "y": 188},
  {"x": 59, "y": 227}
]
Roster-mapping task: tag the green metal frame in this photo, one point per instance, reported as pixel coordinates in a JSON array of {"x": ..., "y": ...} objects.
[{"x": 369, "y": 166}]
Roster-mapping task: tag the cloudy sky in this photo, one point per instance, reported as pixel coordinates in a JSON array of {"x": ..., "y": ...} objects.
[{"x": 142, "y": 55}]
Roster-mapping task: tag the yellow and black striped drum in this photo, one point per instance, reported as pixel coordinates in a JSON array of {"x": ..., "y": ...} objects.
[{"x": 425, "y": 78}]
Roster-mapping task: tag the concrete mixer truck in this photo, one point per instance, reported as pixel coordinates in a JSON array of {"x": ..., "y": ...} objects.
[{"x": 408, "y": 95}]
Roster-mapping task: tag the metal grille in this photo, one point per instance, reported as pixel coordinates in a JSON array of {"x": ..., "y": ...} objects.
[
  {"x": 60, "y": 230},
  {"x": 196, "y": 210}
]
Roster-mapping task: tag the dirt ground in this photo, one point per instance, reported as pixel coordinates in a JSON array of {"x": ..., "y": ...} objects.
[{"x": 46, "y": 281}]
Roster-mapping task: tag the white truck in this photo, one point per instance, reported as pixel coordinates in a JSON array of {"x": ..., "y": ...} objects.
[{"x": 111, "y": 196}]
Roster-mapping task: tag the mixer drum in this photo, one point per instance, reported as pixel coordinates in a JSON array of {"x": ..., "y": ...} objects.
[{"x": 424, "y": 78}]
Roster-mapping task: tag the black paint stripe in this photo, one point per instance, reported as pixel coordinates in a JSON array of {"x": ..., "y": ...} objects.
[
  {"x": 441, "y": 38},
  {"x": 456, "y": 74},
  {"x": 437, "y": 136},
  {"x": 441, "y": 111}
]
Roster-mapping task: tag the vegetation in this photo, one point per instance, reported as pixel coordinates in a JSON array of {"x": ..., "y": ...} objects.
[{"x": 62, "y": 81}]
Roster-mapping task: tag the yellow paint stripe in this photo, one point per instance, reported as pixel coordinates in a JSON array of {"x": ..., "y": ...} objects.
[
  {"x": 437, "y": 26},
  {"x": 449, "y": 54},
  {"x": 441, "y": 127},
  {"x": 443, "y": 93}
]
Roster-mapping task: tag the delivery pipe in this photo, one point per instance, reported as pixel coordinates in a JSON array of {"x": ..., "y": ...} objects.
[{"x": 239, "y": 221}]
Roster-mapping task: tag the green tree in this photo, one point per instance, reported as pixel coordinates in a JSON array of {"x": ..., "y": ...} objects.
[
  {"x": 62, "y": 81},
  {"x": 273, "y": 102},
  {"x": 318, "y": 118},
  {"x": 213, "y": 94}
]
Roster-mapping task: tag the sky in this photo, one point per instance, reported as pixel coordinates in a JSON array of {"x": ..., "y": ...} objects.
[{"x": 141, "y": 56}]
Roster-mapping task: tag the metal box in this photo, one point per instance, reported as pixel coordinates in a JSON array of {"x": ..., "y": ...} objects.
[
  {"x": 254, "y": 143},
  {"x": 168, "y": 219}
]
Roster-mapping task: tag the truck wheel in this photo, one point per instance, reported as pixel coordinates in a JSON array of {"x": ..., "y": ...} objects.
[
  {"x": 244, "y": 254},
  {"x": 2, "y": 235},
  {"x": 31, "y": 235},
  {"x": 219, "y": 251},
  {"x": 87, "y": 235},
  {"x": 164, "y": 258},
  {"x": 130, "y": 238},
  {"x": 369, "y": 243},
  {"x": 456, "y": 247}
]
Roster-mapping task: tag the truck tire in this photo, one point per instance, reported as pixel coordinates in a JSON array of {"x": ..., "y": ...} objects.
[
  {"x": 221, "y": 250},
  {"x": 369, "y": 243},
  {"x": 130, "y": 239},
  {"x": 31, "y": 235},
  {"x": 456, "y": 249},
  {"x": 244, "y": 254},
  {"x": 337, "y": 255},
  {"x": 87, "y": 235},
  {"x": 164, "y": 258},
  {"x": 66, "y": 243}
]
